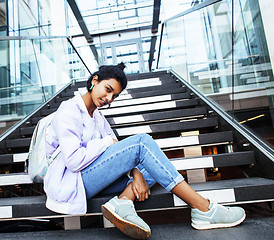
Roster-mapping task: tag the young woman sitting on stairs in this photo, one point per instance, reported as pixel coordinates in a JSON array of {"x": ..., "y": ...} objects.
[{"x": 92, "y": 161}]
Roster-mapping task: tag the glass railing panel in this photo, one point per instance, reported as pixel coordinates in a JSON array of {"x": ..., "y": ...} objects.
[
  {"x": 225, "y": 50},
  {"x": 253, "y": 73},
  {"x": 198, "y": 47},
  {"x": 32, "y": 71}
]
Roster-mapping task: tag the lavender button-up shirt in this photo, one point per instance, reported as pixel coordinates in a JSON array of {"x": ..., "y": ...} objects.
[{"x": 82, "y": 139}]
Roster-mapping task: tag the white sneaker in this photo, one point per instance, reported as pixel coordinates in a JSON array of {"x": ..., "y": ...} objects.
[{"x": 218, "y": 216}]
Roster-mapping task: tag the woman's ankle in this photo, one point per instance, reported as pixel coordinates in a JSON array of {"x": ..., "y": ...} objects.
[
  {"x": 125, "y": 197},
  {"x": 203, "y": 206}
]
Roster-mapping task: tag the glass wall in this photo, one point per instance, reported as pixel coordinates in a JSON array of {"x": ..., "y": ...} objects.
[
  {"x": 37, "y": 18},
  {"x": 36, "y": 69},
  {"x": 225, "y": 50}
]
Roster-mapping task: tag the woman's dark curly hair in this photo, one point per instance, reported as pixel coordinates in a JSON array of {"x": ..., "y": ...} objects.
[{"x": 110, "y": 71}]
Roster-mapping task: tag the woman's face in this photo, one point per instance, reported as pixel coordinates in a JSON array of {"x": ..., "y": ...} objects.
[{"x": 105, "y": 91}]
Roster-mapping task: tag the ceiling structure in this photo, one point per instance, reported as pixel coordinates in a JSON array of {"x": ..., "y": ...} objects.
[{"x": 101, "y": 17}]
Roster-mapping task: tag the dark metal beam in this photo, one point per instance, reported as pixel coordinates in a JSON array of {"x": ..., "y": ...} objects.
[
  {"x": 151, "y": 51},
  {"x": 75, "y": 9},
  {"x": 156, "y": 15},
  {"x": 155, "y": 24}
]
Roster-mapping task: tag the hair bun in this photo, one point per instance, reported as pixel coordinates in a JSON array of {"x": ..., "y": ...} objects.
[{"x": 121, "y": 65}]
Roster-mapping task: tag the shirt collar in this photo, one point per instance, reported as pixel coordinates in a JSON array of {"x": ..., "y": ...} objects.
[{"x": 80, "y": 102}]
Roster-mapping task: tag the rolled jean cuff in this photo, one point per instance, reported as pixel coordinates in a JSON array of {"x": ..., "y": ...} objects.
[{"x": 176, "y": 181}]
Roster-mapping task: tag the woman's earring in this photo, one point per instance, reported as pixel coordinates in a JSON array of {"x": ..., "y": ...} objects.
[{"x": 91, "y": 87}]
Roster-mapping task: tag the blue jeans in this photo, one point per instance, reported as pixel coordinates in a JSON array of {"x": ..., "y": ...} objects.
[{"x": 107, "y": 173}]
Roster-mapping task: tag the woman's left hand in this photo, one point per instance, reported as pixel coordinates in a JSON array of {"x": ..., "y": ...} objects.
[{"x": 139, "y": 185}]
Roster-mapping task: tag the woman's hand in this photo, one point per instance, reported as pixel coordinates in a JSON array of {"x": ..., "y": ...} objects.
[
  {"x": 114, "y": 140},
  {"x": 139, "y": 185}
]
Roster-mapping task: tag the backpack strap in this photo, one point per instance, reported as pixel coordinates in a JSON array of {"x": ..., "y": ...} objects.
[{"x": 54, "y": 155}]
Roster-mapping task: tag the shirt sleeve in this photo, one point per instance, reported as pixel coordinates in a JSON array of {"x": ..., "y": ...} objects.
[{"x": 69, "y": 126}]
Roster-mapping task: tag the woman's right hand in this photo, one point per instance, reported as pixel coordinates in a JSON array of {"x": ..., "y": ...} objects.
[{"x": 139, "y": 185}]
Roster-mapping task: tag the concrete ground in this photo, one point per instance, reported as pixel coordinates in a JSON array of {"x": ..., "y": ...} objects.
[
  {"x": 260, "y": 228},
  {"x": 259, "y": 224}
]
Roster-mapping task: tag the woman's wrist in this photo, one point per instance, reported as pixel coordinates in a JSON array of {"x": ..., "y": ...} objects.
[{"x": 134, "y": 171}]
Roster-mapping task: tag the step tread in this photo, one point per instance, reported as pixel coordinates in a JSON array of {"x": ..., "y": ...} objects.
[
  {"x": 144, "y": 108},
  {"x": 206, "y": 161},
  {"x": 167, "y": 127},
  {"x": 146, "y": 117},
  {"x": 14, "y": 179},
  {"x": 171, "y": 85},
  {"x": 13, "y": 158},
  {"x": 158, "y": 116},
  {"x": 142, "y": 100},
  {"x": 225, "y": 191},
  {"x": 164, "y": 143},
  {"x": 20, "y": 142}
]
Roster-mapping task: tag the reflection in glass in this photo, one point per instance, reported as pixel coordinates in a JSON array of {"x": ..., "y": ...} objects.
[
  {"x": 32, "y": 71},
  {"x": 3, "y": 14},
  {"x": 233, "y": 68}
]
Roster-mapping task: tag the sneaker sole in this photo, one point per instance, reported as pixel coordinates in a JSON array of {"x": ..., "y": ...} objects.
[
  {"x": 128, "y": 228},
  {"x": 218, "y": 225}
]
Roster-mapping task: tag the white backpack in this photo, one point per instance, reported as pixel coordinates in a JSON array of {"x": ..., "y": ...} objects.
[{"x": 37, "y": 162}]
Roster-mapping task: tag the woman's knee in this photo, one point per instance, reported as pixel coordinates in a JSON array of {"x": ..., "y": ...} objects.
[{"x": 144, "y": 137}]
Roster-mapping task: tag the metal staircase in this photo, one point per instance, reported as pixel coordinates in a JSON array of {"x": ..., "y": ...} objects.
[{"x": 193, "y": 136}]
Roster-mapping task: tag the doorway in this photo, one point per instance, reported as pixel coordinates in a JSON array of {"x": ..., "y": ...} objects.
[{"x": 130, "y": 52}]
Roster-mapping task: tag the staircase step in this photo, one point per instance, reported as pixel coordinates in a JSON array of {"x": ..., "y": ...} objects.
[
  {"x": 132, "y": 77},
  {"x": 140, "y": 79},
  {"x": 14, "y": 179},
  {"x": 214, "y": 161},
  {"x": 171, "y": 85},
  {"x": 152, "y": 88},
  {"x": 216, "y": 138},
  {"x": 151, "y": 93},
  {"x": 164, "y": 143},
  {"x": 151, "y": 107},
  {"x": 159, "y": 116},
  {"x": 142, "y": 118},
  {"x": 145, "y": 100},
  {"x": 167, "y": 127},
  {"x": 16, "y": 143},
  {"x": 146, "y": 82},
  {"x": 208, "y": 161},
  {"x": 46, "y": 112},
  {"x": 140, "y": 108},
  {"x": 229, "y": 192},
  {"x": 27, "y": 131},
  {"x": 13, "y": 158},
  {"x": 132, "y": 95}
]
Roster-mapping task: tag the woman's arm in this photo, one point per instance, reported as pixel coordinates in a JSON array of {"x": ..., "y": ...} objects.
[
  {"x": 69, "y": 125},
  {"x": 139, "y": 185}
]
